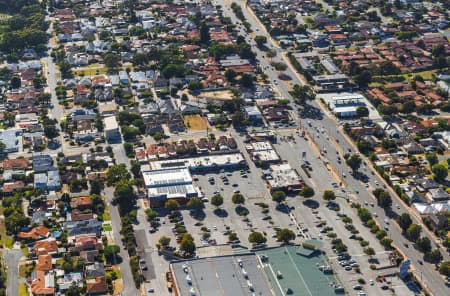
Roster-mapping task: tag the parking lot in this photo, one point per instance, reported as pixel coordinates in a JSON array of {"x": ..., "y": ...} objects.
[{"x": 309, "y": 218}]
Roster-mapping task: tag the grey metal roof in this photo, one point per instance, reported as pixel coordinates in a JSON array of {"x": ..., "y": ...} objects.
[{"x": 221, "y": 276}]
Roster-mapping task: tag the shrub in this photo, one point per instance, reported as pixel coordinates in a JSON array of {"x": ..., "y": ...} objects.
[{"x": 308, "y": 246}]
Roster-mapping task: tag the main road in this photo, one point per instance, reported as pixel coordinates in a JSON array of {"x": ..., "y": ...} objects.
[{"x": 329, "y": 137}]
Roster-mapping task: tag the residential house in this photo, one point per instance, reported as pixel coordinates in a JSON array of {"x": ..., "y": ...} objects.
[
  {"x": 83, "y": 227},
  {"x": 36, "y": 233}
]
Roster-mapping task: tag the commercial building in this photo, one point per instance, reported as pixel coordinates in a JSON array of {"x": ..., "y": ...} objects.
[
  {"x": 262, "y": 152},
  {"x": 172, "y": 183},
  {"x": 253, "y": 115},
  {"x": 289, "y": 270},
  {"x": 284, "y": 177},
  {"x": 228, "y": 275},
  {"x": 203, "y": 163},
  {"x": 346, "y": 106},
  {"x": 111, "y": 129},
  {"x": 331, "y": 82}
]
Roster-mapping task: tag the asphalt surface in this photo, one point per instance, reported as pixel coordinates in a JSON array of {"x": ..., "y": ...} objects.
[
  {"x": 12, "y": 257},
  {"x": 429, "y": 275},
  {"x": 129, "y": 289}
]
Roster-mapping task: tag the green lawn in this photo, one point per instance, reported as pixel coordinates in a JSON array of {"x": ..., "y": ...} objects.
[
  {"x": 107, "y": 227},
  {"x": 25, "y": 251},
  {"x": 5, "y": 239},
  {"x": 115, "y": 271},
  {"x": 23, "y": 290},
  {"x": 444, "y": 163}
]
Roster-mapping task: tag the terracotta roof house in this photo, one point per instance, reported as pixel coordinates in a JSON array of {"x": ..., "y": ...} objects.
[
  {"x": 45, "y": 247},
  {"x": 81, "y": 202},
  {"x": 10, "y": 187},
  {"x": 37, "y": 233},
  {"x": 96, "y": 286},
  {"x": 77, "y": 215},
  {"x": 41, "y": 286},
  {"x": 44, "y": 263},
  {"x": 15, "y": 164}
]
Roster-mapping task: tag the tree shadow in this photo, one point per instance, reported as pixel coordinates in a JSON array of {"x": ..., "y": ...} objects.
[
  {"x": 311, "y": 203},
  {"x": 198, "y": 215},
  {"x": 241, "y": 211},
  {"x": 282, "y": 208},
  {"x": 221, "y": 213}
]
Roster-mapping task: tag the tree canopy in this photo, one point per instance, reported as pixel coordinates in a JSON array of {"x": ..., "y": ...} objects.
[
  {"x": 285, "y": 235},
  {"x": 354, "y": 162},
  {"x": 278, "y": 196},
  {"x": 256, "y": 238}
]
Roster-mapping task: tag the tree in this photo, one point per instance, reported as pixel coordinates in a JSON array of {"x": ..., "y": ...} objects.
[
  {"x": 151, "y": 214},
  {"x": 217, "y": 200},
  {"x": 440, "y": 172},
  {"x": 354, "y": 162},
  {"x": 435, "y": 256},
  {"x": 256, "y": 238},
  {"x": 238, "y": 119},
  {"x": 112, "y": 61},
  {"x": 204, "y": 33},
  {"x": 386, "y": 242},
  {"x": 329, "y": 195},
  {"x": 44, "y": 98},
  {"x": 307, "y": 191},
  {"x": 285, "y": 235},
  {"x": 173, "y": 70},
  {"x": 195, "y": 204},
  {"x": 117, "y": 173},
  {"x": 51, "y": 131},
  {"x": 404, "y": 221},
  {"x": 172, "y": 205},
  {"x": 238, "y": 199},
  {"x": 278, "y": 196},
  {"x": 363, "y": 78},
  {"x": 16, "y": 82},
  {"x": 446, "y": 242},
  {"x": 129, "y": 132},
  {"x": 408, "y": 107},
  {"x": 260, "y": 40},
  {"x": 364, "y": 215},
  {"x": 444, "y": 268},
  {"x": 124, "y": 196},
  {"x": 431, "y": 158},
  {"x": 384, "y": 200},
  {"x": 74, "y": 290},
  {"x": 111, "y": 252},
  {"x": 187, "y": 244},
  {"x": 164, "y": 241},
  {"x": 369, "y": 251},
  {"x": 362, "y": 111},
  {"x": 423, "y": 244},
  {"x": 246, "y": 80},
  {"x": 128, "y": 148},
  {"x": 96, "y": 186},
  {"x": 302, "y": 93},
  {"x": 230, "y": 74},
  {"x": 76, "y": 185},
  {"x": 413, "y": 232}
]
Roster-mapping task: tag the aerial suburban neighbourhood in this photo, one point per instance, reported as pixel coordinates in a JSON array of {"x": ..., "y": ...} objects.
[{"x": 224, "y": 147}]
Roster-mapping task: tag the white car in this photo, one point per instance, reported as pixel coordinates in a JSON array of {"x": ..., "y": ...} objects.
[{"x": 375, "y": 214}]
